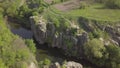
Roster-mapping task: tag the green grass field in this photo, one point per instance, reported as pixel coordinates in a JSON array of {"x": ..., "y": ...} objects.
[{"x": 97, "y": 13}]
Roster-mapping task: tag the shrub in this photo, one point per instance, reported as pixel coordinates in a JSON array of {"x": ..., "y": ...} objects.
[
  {"x": 45, "y": 62},
  {"x": 35, "y": 13}
]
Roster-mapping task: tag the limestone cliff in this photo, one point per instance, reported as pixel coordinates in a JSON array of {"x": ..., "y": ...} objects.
[{"x": 46, "y": 32}]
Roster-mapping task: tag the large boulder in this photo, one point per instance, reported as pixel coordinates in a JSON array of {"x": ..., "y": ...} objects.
[
  {"x": 114, "y": 33},
  {"x": 69, "y": 64},
  {"x": 72, "y": 64}
]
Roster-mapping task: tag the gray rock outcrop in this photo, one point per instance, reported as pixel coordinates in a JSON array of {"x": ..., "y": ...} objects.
[
  {"x": 72, "y": 64},
  {"x": 46, "y": 32},
  {"x": 114, "y": 33}
]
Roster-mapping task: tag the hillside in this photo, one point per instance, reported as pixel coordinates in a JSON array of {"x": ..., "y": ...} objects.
[{"x": 81, "y": 33}]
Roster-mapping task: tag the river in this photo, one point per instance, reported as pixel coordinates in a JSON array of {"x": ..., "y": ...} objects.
[{"x": 43, "y": 51}]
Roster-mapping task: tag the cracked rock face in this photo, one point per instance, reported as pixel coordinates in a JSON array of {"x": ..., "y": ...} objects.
[
  {"x": 47, "y": 32},
  {"x": 114, "y": 33}
]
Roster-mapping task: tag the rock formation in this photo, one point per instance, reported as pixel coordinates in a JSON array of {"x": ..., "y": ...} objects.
[
  {"x": 70, "y": 43},
  {"x": 46, "y": 32}
]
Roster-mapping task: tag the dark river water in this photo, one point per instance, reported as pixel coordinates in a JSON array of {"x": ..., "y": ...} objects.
[
  {"x": 43, "y": 51},
  {"x": 22, "y": 32}
]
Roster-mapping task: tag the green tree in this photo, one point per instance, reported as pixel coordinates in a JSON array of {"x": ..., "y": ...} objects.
[{"x": 94, "y": 48}]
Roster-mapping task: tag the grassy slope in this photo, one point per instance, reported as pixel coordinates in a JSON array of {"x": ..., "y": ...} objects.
[{"x": 95, "y": 12}]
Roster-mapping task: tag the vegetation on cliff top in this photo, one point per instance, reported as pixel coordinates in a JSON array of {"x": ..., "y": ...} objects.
[{"x": 97, "y": 14}]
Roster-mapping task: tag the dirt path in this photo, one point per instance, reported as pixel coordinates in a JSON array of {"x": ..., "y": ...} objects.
[
  {"x": 69, "y": 5},
  {"x": 65, "y": 6}
]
